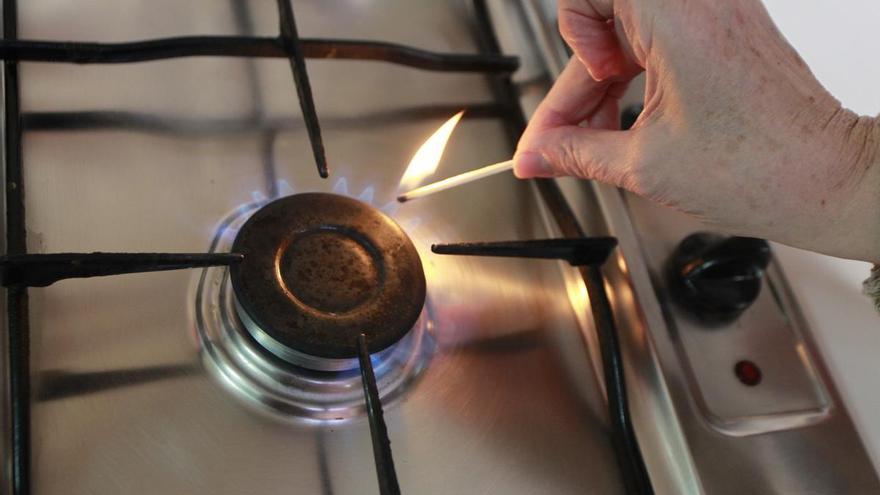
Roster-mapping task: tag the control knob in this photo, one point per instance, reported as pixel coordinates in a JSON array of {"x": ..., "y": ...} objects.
[{"x": 716, "y": 278}]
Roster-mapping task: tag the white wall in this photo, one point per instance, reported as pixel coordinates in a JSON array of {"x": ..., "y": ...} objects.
[{"x": 840, "y": 41}]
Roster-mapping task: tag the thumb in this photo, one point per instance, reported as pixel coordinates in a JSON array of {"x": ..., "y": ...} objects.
[{"x": 575, "y": 151}]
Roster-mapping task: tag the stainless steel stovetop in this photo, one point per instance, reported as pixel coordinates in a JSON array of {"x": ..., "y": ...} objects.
[{"x": 135, "y": 387}]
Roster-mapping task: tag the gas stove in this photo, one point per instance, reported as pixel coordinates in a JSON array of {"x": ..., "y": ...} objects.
[{"x": 211, "y": 288}]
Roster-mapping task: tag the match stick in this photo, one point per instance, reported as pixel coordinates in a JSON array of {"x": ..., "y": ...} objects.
[{"x": 456, "y": 180}]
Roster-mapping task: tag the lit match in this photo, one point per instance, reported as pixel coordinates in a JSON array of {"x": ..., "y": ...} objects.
[{"x": 456, "y": 180}]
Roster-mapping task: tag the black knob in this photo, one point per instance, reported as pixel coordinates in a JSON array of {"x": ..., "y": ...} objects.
[{"x": 715, "y": 277}]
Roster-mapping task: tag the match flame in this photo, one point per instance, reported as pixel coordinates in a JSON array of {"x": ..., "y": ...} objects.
[{"x": 424, "y": 163}]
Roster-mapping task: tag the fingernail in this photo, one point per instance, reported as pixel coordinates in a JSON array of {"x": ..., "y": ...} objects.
[{"x": 530, "y": 164}]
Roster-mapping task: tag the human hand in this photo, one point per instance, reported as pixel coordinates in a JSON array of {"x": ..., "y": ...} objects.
[{"x": 736, "y": 130}]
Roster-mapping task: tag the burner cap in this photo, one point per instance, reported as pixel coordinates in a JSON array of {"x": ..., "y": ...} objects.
[{"x": 320, "y": 269}]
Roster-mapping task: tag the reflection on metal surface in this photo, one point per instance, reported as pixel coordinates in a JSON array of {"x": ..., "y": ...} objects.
[
  {"x": 62, "y": 384},
  {"x": 576, "y": 251},
  {"x": 228, "y": 350},
  {"x": 42, "y": 270},
  {"x": 424, "y": 163}
]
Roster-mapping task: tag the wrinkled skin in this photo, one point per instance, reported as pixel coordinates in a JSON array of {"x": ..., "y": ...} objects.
[{"x": 736, "y": 129}]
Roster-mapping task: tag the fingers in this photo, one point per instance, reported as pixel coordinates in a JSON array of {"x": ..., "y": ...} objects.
[
  {"x": 590, "y": 29},
  {"x": 572, "y": 150},
  {"x": 607, "y": 116},
  {"x": 579, "y": 152},
  {"x": 573, "y": 98},
  {"x": 555, "y": 142}
]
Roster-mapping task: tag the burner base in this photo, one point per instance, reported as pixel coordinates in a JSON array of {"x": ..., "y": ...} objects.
[{"x": 301, "y": 387}]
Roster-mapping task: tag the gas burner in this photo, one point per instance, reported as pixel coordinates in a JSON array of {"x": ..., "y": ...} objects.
[{"x": 321, "y": 269}]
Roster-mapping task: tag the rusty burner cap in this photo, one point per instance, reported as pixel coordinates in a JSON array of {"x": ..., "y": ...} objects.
[{"x": 320, "y": 269}]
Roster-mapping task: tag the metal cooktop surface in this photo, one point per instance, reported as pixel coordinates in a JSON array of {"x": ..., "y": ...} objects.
[
  {"x": 125, "y": 397},
  {"x": 168, "y": 382}
]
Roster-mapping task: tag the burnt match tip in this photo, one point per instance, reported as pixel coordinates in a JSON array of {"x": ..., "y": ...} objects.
[{"x": 402, "y": 198}]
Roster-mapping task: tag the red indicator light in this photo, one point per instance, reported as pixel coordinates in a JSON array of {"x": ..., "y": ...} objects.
[{"x": 748, "y": 373}]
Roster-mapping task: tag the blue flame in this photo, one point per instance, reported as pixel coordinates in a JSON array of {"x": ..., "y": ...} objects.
[
  {"x": 341, "y": 187},
  {"x": 367, "y": 195},
  {"x": 259, "y": 197},
  {"x": 412, "y": 224},
  {"x": 390, "y": 208},
  {"x": 284, "y": 188}
]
